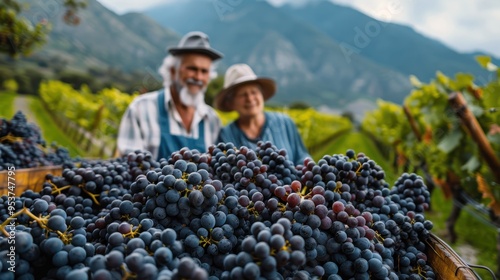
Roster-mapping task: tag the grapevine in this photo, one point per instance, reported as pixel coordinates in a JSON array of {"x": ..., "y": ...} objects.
[{"x": 442, "y": 140}]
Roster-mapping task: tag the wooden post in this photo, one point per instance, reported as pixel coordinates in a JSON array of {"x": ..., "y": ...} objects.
[
  {"x": 413, "y": 124},
  {"x": 97, "y": 119},
  {"x": 498, "y": 253},
  {"x": 459, "y": 105},
  {"x": 418, "y": 135},
  {"x": 103, "y": 152},
  {"x": 89, "y": 144},
  {"x": 469, "y": 121},
  {"x": 458, "y": 201}
]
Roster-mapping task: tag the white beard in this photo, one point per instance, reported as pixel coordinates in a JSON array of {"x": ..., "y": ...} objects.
[
  {"x": 187, "y": 98},
  {"x": 190, "y": 99}
]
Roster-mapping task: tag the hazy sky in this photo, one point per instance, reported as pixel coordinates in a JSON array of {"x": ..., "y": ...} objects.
[{"x": 464, "y": 25}]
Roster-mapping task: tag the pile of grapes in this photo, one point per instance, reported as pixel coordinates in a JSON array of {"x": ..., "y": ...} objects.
[
  {"x": 22, "y": 146},
  {"x": 229, "y": 213}
]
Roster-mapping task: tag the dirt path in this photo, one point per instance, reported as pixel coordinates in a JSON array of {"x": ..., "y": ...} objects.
[
  {"x": 468, "y": 253},
  {"x": 21, "y": 103}
]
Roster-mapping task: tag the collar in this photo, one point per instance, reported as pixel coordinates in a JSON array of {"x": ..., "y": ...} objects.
[{"x": 262, "y": 131}]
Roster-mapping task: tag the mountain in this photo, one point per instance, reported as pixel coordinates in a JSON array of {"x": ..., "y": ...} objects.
[
  {"x": 392, "y": 45},
  {"x": 102, "y": 39},
  {"x": 307, "y": 64},
  {"x": 313, "y": 51}
]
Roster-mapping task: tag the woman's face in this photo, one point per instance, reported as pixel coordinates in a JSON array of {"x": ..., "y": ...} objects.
[{"x": 248, "y": 100}]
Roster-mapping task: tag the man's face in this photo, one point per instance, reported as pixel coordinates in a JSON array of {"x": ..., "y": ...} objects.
[
  {"x": 191, "y": 78},
  {"x": 194, "y": 72}
]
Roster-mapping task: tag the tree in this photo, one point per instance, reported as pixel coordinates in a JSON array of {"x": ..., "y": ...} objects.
[
  {"x": 213, "y": 88},
  {"x": 18, "y": 36},
  {"x": 10, "y": 85},
  {"x": 76, "y": 79},
  {"x": 35, "y": 77},
  {"x": 350, "y": 115},
  {"x": 5, "y": 74},
  {"x": 299, "y": 105}
]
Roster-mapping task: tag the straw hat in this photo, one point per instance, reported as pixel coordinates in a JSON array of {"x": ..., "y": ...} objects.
[
  {"x": 195, "y": 42},
  {"x": 237, "y": 75}
]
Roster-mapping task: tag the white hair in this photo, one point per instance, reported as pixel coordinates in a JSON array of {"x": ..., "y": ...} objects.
[{"x": 171, "y": 61}]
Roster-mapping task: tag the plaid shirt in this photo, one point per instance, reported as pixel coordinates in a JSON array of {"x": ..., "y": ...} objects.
[{"x": 139, "y": 127}]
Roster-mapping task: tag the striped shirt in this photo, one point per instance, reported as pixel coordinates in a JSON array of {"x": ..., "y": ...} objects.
[
  {"x": 140, "y": 129},
  {"x": 278, "y": 128}
]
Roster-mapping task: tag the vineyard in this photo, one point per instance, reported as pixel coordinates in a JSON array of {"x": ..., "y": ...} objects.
[
  {"x": 448, "y": 130},
  {"x": 98, "y": 116},
  {"x": 95, "y": 115}
]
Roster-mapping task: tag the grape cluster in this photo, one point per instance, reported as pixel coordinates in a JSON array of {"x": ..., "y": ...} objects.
[
  {"x": 86, "y": 222},
  {"x": 22, "y": 146},
  {"x": 229, "y": 213},
  {"x": 269, "y": 252},
  {"x": 412, "y": 192}
]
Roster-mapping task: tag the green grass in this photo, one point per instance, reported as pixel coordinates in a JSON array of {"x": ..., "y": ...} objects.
[
  {"x": 50, "y": 131},
  {"x": 359, "y": 143},
  {"x": 7, "y": 104},
  {"x": 470, "y": 230}
]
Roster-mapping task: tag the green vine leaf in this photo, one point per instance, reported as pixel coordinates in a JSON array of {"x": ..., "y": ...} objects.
[
  {"x": 472, "y": 164},
  {"x": 442, "y": 78},
  {"x": 415, "y": 82},
  {"x": 476, "y": 110},
  {"x": 494, "y": 138},
  {"x": 462, "y": 80},
  {"x": 450, "y": 141},
  {"x": 485, "y": 62}
]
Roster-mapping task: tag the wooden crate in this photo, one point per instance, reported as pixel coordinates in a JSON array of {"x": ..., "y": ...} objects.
[
  {"x": 26, "y": 178},
  {"x": 446, "y": 262}
]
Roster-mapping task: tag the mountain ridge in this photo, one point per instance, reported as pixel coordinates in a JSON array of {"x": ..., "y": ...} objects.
[
  {"x": 393, "y": 45},
  {"x": 310, "y": 62},
  {"x": 251, "y": 34}
]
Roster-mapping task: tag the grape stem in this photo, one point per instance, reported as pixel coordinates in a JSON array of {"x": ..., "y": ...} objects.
[
  {"x": 58, "y": 190},
  {"x": 127, "y": 274},
  {"x": 379, "y": 237},
  {"x": 357, "y": 170},
  {"x": 92, "y": 196},
  {"x": 304, "y": 191},
  {"x": 205, "y": 241},
  {"x": 7, "y": 221},
  {"x": 133, "y": 233},
  {"x": 65, "y": 237},
  {"x": 252, "y": 210},
  {"x": 282, "y": 207},
  {"x": 42, "y": 222},
  {"x": 338, "y": 185},
  {"x": 11, "y": 138},
  {"x": 419, "y": 271}
]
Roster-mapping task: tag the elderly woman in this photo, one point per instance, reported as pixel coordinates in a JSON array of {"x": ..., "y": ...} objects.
[{"x": 245, "y": 93}]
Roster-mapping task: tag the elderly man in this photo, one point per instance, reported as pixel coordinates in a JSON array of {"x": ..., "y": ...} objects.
[{"x": 176, "y": 116}]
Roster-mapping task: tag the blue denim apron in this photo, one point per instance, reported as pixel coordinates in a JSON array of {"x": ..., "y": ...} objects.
[{"x": 171, "y": 143}]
